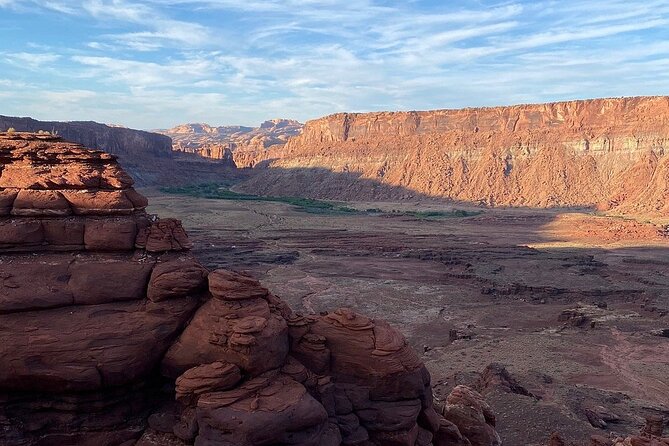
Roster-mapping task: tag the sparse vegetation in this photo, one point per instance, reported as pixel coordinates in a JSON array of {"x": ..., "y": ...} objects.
[
  {"x": 220, "y": 191},
  {"x": 455, "y": 213},
  {"x": 11, "y": 130}
]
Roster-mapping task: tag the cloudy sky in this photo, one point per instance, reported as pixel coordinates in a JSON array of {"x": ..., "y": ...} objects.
[{"x": 156, "y": 63}]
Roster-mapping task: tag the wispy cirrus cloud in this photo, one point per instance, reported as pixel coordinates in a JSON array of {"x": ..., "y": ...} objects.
[
  {"x": 31, "y": 61},
  {"x": 229, "y": 61}
]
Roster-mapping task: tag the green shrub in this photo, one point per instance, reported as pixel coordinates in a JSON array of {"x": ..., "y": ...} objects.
[{"x": 222, "y": 192}]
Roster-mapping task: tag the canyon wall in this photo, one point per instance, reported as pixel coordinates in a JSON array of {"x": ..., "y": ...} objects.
[
  {"x": 605, "y": 153},
  {"x": 147, "y": 156},
  {"x": 135, "y": 145}
]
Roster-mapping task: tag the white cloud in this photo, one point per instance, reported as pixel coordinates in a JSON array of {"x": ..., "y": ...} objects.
[
  {"x": 154, "y": 63},
  {"x": 31, "y": 61}
]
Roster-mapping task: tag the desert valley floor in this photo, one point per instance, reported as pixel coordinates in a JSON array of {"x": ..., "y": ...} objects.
[{"x": 573, "y": 305}]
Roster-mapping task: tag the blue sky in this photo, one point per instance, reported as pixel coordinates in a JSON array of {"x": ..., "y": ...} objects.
[{"x": 156, "y": 63}]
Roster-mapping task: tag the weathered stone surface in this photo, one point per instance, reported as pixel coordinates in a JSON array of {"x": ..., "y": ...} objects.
[
  {"x": 110, "y": 234},
  {"x": 86, "y": 347},
  {"x": 467, "y": 410},
  {"x": 64, "y": 233},
  {"x": 162, "y": 236},
  {"x": 261, "y": 412},
  {"x": 214, "y": 334},
  {"x": 217, "y": 376},
  {"x": 96, "y": 281},
  {"x": 7, "y": 197},
  {"x": 26, "y": 284},
  {"x": 176, "y": 278},
  {"x": 99, "y": 202},
  {"x": 466, "y": 396},
  {"x": 17, "y": 232},
  {"x": 40, "y": 202},
  {"x": 228, "y": 285}
]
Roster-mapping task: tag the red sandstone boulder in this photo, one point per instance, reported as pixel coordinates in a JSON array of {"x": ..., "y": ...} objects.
[
  {"x": 99, "y": 202},
  {"x": 267, "y": 410},
  {"x": 40, "y": 202},
  {"x": 216, "y": 376},
  {"x": 176, "y": 278},
  {"x": 27, "y": 285},
  {"x": 162, "y": 236},
  {"x": 467, "y": 409},
  {"x": 448, "y": 434},
  {"x": 466, "y": 396},
  {"x": 227, "y": 285},
  {"x": 94, "y": 281},
  {"x": 110, "y": 234},
  {"x": 244, "y": 333},
  {"x": 64, "y": 233},
  {"x": 86, "y": 347},
  {"x": 20, "y": 232}
]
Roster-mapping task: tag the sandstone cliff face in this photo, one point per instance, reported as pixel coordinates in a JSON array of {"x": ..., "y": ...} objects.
[
  {"x": 111, "y": 333},
  {"x": 236, "y": 144},
  {"x": 610, "y": 153},
  {"x": 147, "y": 156},
  {"x": 135, "y": 145}
]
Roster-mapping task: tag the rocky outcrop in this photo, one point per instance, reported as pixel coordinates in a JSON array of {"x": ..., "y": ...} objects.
[
  {"x": 148, "y": 156},
  {"x": 650, "y": 435},
  {"x": 112, "y": 333},
  {"x": 127, "y": 143},
  {"x": 610, "y": 153},
  {"x": 235, "y": 145}
]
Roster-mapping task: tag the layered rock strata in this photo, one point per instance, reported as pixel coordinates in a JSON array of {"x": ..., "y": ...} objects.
[
  {"x": 112, "y": 333},
  {"x": 235, "y": 145},
  {"x": 610, "y": 153}
]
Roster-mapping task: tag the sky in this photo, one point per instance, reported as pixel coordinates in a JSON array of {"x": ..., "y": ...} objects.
[{"x": 157, "y": 63}]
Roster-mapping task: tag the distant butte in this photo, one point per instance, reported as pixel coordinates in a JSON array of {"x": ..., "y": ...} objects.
[{"x": 238, "y": 143}]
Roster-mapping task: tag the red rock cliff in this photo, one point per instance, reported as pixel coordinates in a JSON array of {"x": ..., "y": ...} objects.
[{"x": 607, "y": 152}]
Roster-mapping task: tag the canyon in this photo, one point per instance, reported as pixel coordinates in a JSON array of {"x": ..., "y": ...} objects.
[
  {"x": 556, "y": 317},
  {"x": 112, "y": 333},
  {"x": 602, "y": 154},
  {"x": 510, "y": 263},
  {"x": 605, "y": 154}
]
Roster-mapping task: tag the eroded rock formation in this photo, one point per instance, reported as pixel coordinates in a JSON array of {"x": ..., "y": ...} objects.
[
  {"x": 234, "y": 144},
  {"x": 136, "y": 145},
  {"x": 108, "y": 325},
  {"x": 610, "y": 153}
]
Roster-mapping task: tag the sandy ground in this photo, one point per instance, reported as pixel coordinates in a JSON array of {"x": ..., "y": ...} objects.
[{"x": 472, "y": 291}]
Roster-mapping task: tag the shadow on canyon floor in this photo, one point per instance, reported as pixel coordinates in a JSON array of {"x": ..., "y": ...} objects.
[
  {"x": 569, "y": 302},
  {"x": 322, "y": 183}
]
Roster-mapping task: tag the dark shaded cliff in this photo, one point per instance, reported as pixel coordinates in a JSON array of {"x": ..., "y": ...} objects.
[{"x": 127, "y": 143}]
